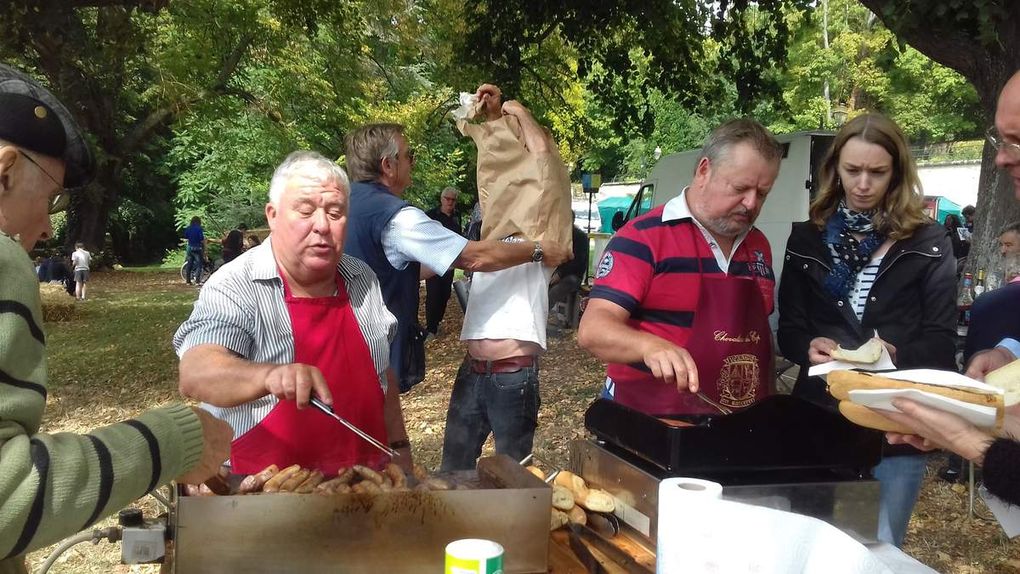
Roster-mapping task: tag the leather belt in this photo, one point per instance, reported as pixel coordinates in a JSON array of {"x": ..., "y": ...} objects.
[{"x": 507, "y": 365}]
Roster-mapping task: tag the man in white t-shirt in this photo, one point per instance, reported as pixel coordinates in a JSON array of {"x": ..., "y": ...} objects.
[
  {"x": 81, "y": 260},
  {"x": 496, "y": 389}
]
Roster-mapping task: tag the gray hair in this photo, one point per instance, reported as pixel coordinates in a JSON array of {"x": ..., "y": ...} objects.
[
  {"x": 367, "y": 146},
  {"x": 1014, "y": 227},
  {"x": 299, "y": 160},
  {"x": 450, "y": 190},
  {"x": 741, "y": 130},
  {"x": 1011, "y": 266}
]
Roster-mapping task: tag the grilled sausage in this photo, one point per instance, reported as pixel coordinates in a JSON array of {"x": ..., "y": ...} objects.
[
  {"x": 295, "y": 480},
  {"x": 329, "y": 486},
  {"x": 273, "y": 484},
  {"x": 346, "y": 475},
  {"x": 255, "y": 482},
  {"x": 419, "y": 472},
  {"x": 396, "y": 474},
  {"x": 366, "y": 487},
  {"x": 313, "y": 480},
  {"x": 437, "y": 484},
  {"x": 368, "y": 474}
]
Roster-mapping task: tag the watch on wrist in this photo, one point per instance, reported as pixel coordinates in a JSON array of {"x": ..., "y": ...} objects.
[{"x": 537, "y": 254}]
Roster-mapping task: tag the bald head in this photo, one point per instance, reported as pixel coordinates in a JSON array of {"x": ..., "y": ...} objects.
[{"x": 1007, "y": 123}]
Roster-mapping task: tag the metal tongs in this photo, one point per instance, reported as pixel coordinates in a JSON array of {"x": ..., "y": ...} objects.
[
  {"x": 717, "y": 406},
  {"x": 368, "y": 438}
]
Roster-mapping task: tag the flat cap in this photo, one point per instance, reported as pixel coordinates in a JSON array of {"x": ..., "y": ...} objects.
[{"x": 31, "y": 117}]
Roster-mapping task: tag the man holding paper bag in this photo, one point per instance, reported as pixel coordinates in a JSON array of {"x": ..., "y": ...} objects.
[{"x": 524, "y": 191}]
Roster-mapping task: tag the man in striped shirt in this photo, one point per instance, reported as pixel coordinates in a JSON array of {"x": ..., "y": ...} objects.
[
  {"x": 291, "y": 319},
  {"x": 54, "y": 485},
  {"x": 682, "y": 294}
]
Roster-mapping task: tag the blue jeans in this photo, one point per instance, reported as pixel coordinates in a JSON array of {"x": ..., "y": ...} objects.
[
  {"x": 900, "y": 478},
  {"x": 195, "y": 261},
  {"x": 505, "y": 404}
]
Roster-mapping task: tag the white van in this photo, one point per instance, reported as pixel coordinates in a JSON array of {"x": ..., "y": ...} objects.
[{"x": 787, "y": 203}]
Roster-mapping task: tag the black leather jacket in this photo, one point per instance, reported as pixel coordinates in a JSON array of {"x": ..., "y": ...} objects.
[{"x": 912, "y": 303}]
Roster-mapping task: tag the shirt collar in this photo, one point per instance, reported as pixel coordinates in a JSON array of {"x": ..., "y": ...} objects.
[
  {"x": 264, "y": 266},
  {"x": 677, "y": 208}
]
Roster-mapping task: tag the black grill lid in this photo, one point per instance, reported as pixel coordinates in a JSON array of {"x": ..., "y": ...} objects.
[{"x": 780, "y": 432}]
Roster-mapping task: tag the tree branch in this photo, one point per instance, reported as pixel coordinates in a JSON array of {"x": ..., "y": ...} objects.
[{"x": 142, "y": 129}]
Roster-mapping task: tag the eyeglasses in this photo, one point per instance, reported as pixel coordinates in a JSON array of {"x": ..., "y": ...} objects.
[
  {"x": 1011, "y": 149},
  {"x": 62, "y": 199}
]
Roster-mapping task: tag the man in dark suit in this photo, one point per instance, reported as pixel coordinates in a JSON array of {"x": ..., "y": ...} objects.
[{"x": 438, "y": 287}]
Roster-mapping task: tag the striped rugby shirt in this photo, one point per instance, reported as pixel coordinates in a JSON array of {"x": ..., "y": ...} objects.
[
  {"x": 54, "y": 485},
  {"x": 651, "y": 269},
  {"x": 241, "y": 307}
]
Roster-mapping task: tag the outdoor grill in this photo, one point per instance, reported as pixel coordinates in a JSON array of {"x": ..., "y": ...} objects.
[
  {"x": 393, "y": 532},
  {"x": 782, "y": 453}
]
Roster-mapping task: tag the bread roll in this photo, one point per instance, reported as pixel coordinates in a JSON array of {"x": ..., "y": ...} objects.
[
  {"x": 869, "y": 352},
  {"x": 557, "y": 519},
  {"x": 598, "y": 500},
  {"x": 577, "y": 515},
  {"x": 574, "y": 483},
  {"x": 562, "y": 497},
  {"x": 536, "y": 471}
]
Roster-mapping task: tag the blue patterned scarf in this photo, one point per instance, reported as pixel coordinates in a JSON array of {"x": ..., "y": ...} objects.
[{"x": 849, "y": 255}]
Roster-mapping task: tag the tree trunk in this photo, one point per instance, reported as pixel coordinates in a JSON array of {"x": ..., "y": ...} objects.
[{"x": 987, "y": 65}]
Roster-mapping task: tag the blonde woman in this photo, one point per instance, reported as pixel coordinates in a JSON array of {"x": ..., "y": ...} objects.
[{"x": 870, "y": 262}]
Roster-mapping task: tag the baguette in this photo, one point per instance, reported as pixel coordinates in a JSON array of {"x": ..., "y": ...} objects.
[
  {"x": 842, "y": 382},
  {"x": 577, "y": 515},
  {"x": 865, "y": 417},
  {"x": 558, "y": 519}
]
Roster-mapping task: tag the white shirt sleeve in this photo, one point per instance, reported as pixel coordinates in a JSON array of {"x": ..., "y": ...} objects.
[
  {"x": 1011, "y": 345},
  {"x": 413, "y": 236}
]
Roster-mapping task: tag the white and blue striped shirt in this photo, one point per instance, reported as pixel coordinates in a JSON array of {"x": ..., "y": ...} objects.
[
  {"x": 862, "y": 286},
  {"x": 242, "y": 307}
]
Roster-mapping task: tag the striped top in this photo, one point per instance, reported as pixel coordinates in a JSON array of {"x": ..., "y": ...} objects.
[
  {"x": 54, "y": 485},
  {"x": 652, "y": 268},
  {"x": 862, "y": 286},
  {"x": 242, "y": 307}
]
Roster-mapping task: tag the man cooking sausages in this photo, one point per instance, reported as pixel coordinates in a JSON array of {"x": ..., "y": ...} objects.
[
  {"x": 682, "y": 294},
  {"x": 291, "y": 319}
]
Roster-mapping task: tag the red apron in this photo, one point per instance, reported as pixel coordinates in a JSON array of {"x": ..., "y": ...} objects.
[
  {"x": 731, "y": 344},
  {"x": 327, "y": 336}
]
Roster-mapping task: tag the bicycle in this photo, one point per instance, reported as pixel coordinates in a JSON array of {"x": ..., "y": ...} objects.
[{"x": 207, "y": 270}]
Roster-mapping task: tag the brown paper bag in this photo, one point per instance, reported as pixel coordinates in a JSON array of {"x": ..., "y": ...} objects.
[{"x": 521, "y": 193}]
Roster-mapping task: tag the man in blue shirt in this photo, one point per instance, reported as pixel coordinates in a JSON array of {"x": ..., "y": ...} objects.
[{"x": 195, "y": 254}]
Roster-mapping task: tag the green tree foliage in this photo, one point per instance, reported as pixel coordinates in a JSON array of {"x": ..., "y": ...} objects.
[
  {"x": 981, "y": 41},
  {"x": 868, "y": 70}
]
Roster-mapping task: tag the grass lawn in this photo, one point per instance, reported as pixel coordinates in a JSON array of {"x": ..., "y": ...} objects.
[{"x": 110, "y": 357}]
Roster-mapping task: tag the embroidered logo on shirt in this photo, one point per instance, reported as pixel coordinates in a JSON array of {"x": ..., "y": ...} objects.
[
  {"x": 605, "y": 266},
  {"x": 758, "y": 266}
]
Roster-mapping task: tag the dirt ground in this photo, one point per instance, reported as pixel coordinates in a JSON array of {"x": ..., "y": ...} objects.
[{"x": 110, "y": 358}]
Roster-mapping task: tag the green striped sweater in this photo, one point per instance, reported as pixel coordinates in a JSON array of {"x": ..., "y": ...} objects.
[{"x": 54, "y": 485}]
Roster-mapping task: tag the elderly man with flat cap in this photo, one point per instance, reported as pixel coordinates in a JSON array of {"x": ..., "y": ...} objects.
[{"x": 52, "y": 486}]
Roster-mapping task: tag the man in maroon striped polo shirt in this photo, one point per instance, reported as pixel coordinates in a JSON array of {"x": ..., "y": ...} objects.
[{"x": 682, "y": 294}]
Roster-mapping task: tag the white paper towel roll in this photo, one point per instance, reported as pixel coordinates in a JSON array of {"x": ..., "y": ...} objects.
[
  {"x": 683, "y": 504},
  {"x": 701, "y": 534}
]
